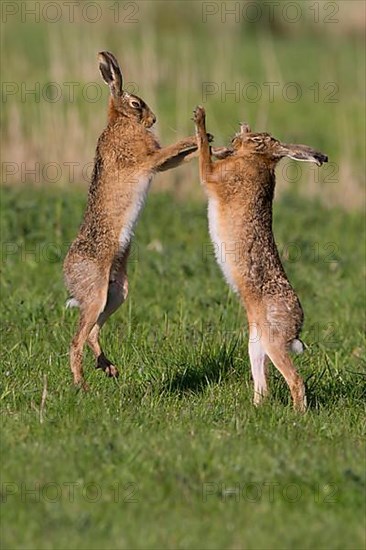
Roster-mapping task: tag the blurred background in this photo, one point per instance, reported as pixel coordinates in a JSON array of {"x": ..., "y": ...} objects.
[{"x": 295, "y": 69}]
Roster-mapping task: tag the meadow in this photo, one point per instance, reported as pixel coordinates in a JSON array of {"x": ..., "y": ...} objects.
[{"x": 173, "y": 454}]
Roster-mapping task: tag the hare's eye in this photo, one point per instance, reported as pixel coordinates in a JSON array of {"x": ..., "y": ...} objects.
[{"x": 135, "y": 104}]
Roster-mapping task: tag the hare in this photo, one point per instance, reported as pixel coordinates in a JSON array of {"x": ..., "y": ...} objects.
[
  {"x": 127, "y": 156},
  {"x": 240, "y": 190}
]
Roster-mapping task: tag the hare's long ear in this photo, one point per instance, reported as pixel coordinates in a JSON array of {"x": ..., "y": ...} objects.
[
  {"x": 302, "y": 152},
  {"x": 111, "y": 73}
]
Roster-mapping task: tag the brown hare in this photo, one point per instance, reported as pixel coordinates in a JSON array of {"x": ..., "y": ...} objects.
[
  {"x": 127, "y": 156},
  {"x": 240, "y": 190}
]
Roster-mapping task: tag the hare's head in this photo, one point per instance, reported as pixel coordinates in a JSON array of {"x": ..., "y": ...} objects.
[
  {"x": 246, "y": 142},
  {"x": 122, "y": 103}
]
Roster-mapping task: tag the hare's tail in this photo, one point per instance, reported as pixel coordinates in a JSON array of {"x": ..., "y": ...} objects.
[
  {"x": 72, "y": 302},
  {"x": 297, "y": 346}
]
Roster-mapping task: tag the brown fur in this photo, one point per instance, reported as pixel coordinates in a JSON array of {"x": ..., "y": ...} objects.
[
  {"x": 240, "y": 190},
  {"x": 127, "y": 156}
]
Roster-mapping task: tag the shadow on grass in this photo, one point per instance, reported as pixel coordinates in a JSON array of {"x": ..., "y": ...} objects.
[
  {"x": 330, "y": 383},
  {"x": 324, "y": 387},
  {"x": 330, "y": 392},
  {"x": 326, "y": 382},
  {"x": 211, "y": 369}
]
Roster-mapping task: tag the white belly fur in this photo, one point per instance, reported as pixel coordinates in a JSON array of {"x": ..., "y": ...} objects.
[
  {"x": 221, "y": 246},
  {"x": 132, "y": 213}
]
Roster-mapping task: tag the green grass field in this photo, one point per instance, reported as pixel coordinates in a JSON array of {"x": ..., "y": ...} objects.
[{"x": 173, "y": 454}]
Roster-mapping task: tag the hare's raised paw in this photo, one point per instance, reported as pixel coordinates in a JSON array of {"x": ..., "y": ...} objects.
[
  {"x": 189, "y": 142},
  {"x": 199, "y": 114}
]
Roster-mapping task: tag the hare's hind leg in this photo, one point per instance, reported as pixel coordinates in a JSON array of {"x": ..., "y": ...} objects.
[
  {"x": 281, "y": 359},
  {"x": 258, "y": 363},
  {"x": 89, "y": 313},
  {"x": 88, "y": 285},
  {"x": 117, "y": 294}
]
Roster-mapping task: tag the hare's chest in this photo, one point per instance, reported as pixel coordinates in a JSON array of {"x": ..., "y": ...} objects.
[
  {"x": 133, "y": 210},
  {"x": 222, "y": 242}
]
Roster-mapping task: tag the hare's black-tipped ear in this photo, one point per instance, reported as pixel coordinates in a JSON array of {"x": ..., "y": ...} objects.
[
  {"x": 303, "y": 153},
  {"x": 111, "y": 73}
]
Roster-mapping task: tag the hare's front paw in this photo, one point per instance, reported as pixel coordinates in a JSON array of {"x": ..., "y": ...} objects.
[
  {"x": 192, "y": 141},
  {"x": 199, "y": 115},
  {"x": 189, "y": 142}
]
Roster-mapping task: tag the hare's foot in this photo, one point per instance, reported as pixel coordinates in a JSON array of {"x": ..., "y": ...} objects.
[
  {"x": 111, "y": 371},
  {"x": 106, "y": 366},
  {"x": 81, "y": 385},
  {"x": 188, "y": 143},
  {"x": 192, "y": 141},
  {"x": 299, "y": 397},
  {"x": 199, "y": 115},
  {"x": 259, "y": 398}
]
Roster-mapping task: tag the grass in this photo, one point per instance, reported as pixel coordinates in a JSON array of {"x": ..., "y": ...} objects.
[{"x": 173, "y": 454}]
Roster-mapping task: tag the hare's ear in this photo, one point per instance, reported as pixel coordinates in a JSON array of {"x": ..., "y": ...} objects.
[
  {"x": 302, "y": 152},
  {"x": 245, "y": 128},
  {"x": 111, "y": 73}
]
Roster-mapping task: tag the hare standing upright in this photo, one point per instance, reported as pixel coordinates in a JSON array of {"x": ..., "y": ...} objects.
[
  {"x": 240, "y": 190},
  {"x": 127, "y": 156}
]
